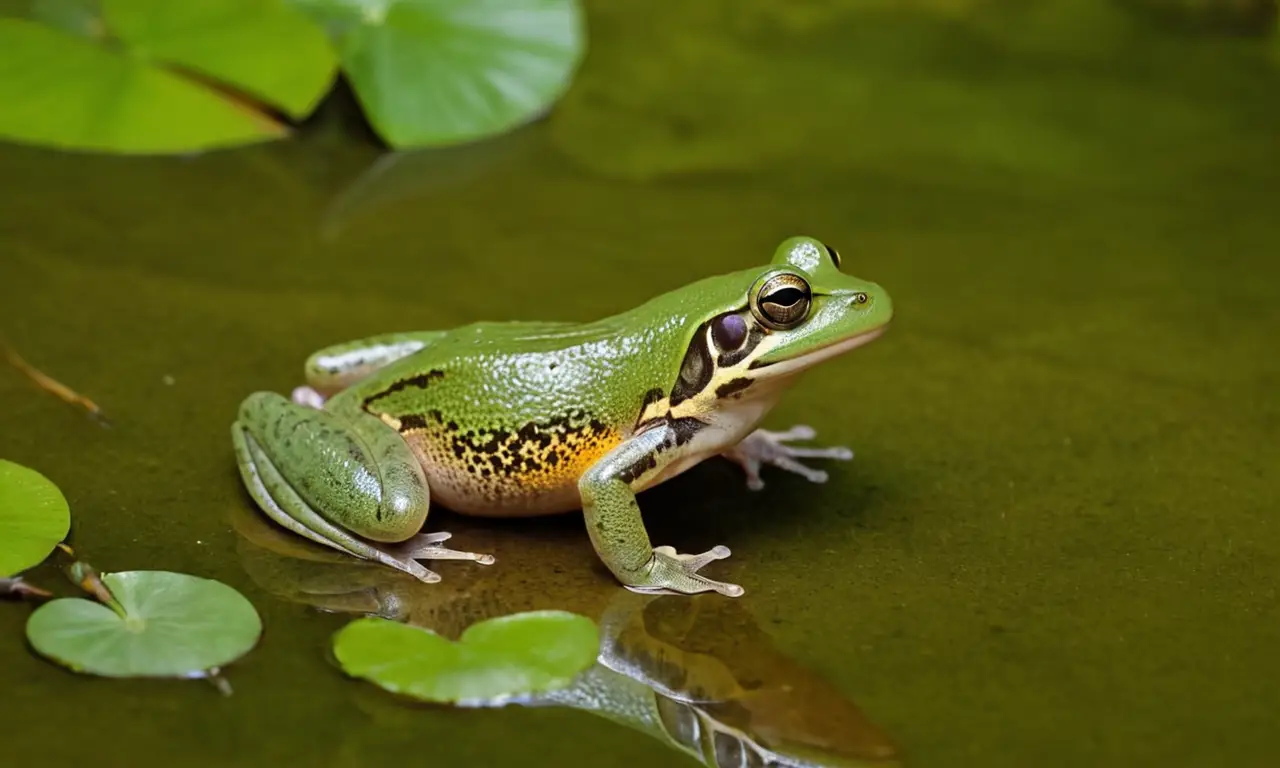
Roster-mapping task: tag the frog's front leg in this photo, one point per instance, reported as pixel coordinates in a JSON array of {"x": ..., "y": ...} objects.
[
  {"x": 345, "y": 480},
  {"x": 765, "y": 447},
  {"x": 617, "y": 530}
]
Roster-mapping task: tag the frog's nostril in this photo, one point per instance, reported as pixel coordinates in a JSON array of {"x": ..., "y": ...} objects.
[{"x": 859, "y": 298}]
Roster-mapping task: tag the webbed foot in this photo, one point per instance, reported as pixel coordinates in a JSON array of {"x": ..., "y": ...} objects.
[
  {"x": 671, "y": 573},
  {"x": 765, "y": 447}
]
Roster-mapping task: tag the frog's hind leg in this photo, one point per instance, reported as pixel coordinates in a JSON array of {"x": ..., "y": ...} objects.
[
  {"x": 273, "y": 494},
  {"x": 341, "y": 365},
  {"x": 350, "y": 483}
]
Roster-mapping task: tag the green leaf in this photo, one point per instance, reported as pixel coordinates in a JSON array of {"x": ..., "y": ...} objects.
[
  {"x": 493, "y": 660},
  {"x": 70, "y": 93},
  {"x": 34, "y": 517},
  {"x": 174, "y": 625},
  {"x": 262, "y": 47},
  {"x": 434, "y": 72}
]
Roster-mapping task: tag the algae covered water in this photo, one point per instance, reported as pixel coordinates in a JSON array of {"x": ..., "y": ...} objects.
[{"x": 1056, "y": 544}]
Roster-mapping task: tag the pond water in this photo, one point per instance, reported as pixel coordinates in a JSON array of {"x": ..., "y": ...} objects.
[{"x": 1057, "y": 544}]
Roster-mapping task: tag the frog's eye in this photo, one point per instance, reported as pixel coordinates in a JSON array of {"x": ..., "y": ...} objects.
[
  {"x": 834, "y": 254},
  {"x": 782, "y": 302},
  {"x": 729, "y": 332}
]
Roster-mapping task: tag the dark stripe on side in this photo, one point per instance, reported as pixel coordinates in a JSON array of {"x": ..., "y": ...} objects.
[
  {"x": 421, "y": 381},
  {"x": 650, "y": 397},
  {"x": 696, "y": 370},
  {"x": 413, "y": 421}
]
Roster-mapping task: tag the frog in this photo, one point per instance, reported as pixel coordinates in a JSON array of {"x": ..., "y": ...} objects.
[{"x": 504, "y": 419}]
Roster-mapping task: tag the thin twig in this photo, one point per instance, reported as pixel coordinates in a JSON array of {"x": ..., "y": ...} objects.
[
  {"x": 16, "y": 587},
  {"x": 49, "y": 384}
]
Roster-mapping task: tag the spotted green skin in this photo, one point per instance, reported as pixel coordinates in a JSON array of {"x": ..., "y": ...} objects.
[{"x": 524, "y": 418}]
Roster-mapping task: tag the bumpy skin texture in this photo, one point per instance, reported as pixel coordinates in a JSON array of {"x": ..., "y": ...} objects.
[{"x": 504, "y": 419}]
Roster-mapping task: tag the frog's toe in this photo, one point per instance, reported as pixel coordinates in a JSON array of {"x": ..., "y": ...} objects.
[
  {"x": 308, "y": 397},
  {"x": 696, "y": 562},
  {"x": 798, "y": 432},
  {"x": 426, "y": 546},
  {"x": 766, "y": 447},
  {"x": 671, "y": 573},
  {"x": 750, "y": 466}
]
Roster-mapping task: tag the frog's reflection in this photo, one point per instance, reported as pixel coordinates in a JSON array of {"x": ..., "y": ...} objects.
[{"x": 696, "y": 673}]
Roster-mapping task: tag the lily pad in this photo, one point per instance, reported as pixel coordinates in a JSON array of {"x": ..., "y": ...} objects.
[
  {"x": 71, "y": 93},
  {"x": 434, "y": 72},
  {"x": 263, "y": 47},
  {"x": 167, "y": 625},
  {"x": 157, "y": 76},
  {"x": 492, "y": 661},
  {"x": 34, "y": 517}
]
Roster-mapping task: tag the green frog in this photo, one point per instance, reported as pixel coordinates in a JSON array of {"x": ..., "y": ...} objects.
[{"x": 503, "y": 419}]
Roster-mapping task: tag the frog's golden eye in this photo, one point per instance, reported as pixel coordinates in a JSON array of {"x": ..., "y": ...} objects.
[
  {"x": 834, "y": 254},
  {"x": 782, "y": 302}
]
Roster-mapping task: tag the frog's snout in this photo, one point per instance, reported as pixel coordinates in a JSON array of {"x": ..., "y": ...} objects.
[{"x": 878, "y": 305}]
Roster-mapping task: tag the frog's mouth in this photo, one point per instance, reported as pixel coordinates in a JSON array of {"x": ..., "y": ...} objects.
[{"x": 792, "y": 364}]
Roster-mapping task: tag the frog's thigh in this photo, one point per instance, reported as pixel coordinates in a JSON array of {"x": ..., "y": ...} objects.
[
  {"x": 352, "y": 470},
  {"x": 341, "y": 365}
]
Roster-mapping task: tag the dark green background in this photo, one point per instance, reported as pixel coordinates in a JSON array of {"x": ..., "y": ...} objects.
[{"x": 1058, "y": 542}]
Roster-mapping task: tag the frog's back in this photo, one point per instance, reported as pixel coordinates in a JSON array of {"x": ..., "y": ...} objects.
[{"x": 506, "y": 417}]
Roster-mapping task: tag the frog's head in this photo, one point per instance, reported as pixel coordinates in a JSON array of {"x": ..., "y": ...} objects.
[
  {"x": 772, "y": 322},
  {"x": 807, "y": 310},
  {"x": 797, "y": 311}
]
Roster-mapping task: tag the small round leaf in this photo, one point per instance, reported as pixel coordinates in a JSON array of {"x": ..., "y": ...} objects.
[
  {"x": 34, "y": 517},
  {"x": 492, "y": 661},
  {"x": 174, "y": 625}
]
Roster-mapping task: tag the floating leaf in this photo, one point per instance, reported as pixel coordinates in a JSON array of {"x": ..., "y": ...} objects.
[
  {"x": 431, "y": 72},
  {"x": 34, "y": 517},
  {"x": 263, "y": 47},
  {"x": 492, "y": 661},
  {"x": 170, "y": 625},
  {"x": 71, "y": 93}
]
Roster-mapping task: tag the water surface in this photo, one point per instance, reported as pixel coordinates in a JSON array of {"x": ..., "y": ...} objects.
[{"x": 1057, "y": 543}]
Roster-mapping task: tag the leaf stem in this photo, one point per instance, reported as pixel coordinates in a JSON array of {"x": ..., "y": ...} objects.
[
  {"x": 222, "y": 684},
  {"x": 85, "y": 577}
]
